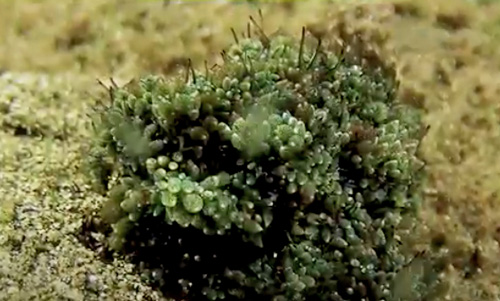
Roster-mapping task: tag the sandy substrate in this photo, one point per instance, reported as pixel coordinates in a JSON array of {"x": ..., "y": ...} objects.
[{"x": 52, "y": 52}]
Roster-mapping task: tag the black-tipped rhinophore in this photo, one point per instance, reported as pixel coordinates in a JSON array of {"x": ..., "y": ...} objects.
[
  {"x": 110, "y": 89},
  {"x": 249, "y": 32},
  {"x": 262, "y": 34},
  {"x": 315, "y": 55},
  {"x": 301, "y": 47},
  {"x": 193, "y": 74},
  {"x": 235, "y": 37}
]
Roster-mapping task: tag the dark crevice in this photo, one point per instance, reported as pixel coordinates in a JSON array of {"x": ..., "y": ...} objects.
[
  {"x": 25, "y": 131},
  {"x": 159, "y": 251}
]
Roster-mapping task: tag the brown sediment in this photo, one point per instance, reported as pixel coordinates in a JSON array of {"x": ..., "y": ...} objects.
[{"x": 448, "y": 65}]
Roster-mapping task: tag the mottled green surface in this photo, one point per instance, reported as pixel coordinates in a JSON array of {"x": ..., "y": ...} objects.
[{"x": 286, "y": 149}]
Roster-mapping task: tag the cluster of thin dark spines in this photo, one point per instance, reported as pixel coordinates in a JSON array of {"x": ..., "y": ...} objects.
[{"x": 301, "y": 161}]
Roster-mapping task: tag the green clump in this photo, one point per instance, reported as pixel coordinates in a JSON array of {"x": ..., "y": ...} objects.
[{"x": 284, "y": 174}]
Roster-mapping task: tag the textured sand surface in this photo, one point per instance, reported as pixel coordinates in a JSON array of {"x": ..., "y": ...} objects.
[{"x": 52, "y": 52}]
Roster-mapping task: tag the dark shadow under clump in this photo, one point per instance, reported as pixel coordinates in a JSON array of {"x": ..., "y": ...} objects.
[{"x": 181, "y": 262}]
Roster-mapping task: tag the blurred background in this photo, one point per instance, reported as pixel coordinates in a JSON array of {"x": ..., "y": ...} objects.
[{"x": 52, "y": 53}]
